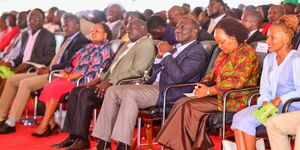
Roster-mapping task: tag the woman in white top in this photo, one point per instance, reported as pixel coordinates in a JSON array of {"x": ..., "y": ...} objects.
[{"x": 280, "y": 80}]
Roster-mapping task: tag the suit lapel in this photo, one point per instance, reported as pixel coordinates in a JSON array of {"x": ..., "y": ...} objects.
[
  {"x": 38, "y": 41},
  {"x": 252, "y": 37},
  {"x": 186, "y": 50}
]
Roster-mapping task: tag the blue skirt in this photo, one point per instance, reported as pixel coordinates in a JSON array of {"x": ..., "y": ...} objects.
[{"x": 245, "y": 121}]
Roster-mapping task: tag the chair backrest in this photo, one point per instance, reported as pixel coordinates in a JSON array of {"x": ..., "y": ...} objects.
[
  {"x": 212, "y": 59},
  {"x": 260, "y": 55},
  {"x": 116, "y": 45},
  {"x": 59, "y": 37},
  {"x": 209, "y": 47}
]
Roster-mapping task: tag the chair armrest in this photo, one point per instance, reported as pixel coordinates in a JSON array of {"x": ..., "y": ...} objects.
[
  {"x": 78, "y": 80},
  {"x": 30, "y": 69},
  {"x": 251, "y": 96},
  {"x": 288, "y": 103},
  {"x": 51, "y": 74},
  {"x": 127, "y": 80},
  {"x": 165, "y": 96},
  {"x": 224, "y": 96}
]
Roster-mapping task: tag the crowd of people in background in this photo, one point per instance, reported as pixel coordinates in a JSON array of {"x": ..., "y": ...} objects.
[{"x": 100, "y": 48}]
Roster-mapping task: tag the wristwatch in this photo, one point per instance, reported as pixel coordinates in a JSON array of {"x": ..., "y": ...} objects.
[{"x": 208, "y": 92}]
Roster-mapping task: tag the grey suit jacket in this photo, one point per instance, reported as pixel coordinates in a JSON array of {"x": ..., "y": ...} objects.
[
  {"x": 43, "y": 49},
  {"x": 134, "y": 63}
]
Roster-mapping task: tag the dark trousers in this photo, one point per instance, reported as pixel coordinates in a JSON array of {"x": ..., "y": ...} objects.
[{"x": 80, "y": 107}]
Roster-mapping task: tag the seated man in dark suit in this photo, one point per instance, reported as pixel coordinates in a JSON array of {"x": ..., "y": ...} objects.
[
  {"x": 185, "y": 63},
  {"x": 19, "y": 86},
  {"x": 252, "y": 20}
]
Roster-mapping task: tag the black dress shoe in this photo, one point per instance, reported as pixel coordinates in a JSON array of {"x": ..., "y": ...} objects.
[
  {"x": 103, "y": 145},
  {"x": 5, "y": 129},
  {"x": 67, "y": 142},
  {"x": 54, "y": 130},
  {"x": 79, "y": 144},
  {"x": 122, "y": 146},
  {"x": 46, "y": 133}
]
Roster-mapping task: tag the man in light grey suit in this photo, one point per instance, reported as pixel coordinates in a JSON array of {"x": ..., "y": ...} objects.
[
  {"x": 121, "y": 104},
  {"x": 132, "y": 60}
]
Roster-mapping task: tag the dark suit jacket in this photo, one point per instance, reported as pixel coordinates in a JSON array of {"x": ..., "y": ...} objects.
[
  {"x": 205, "y": 25},
  {"x": 203, "y": 35},
  {"x": 296, "y": 40},
  {"x": 43, "y": 49},
  {"x": 76, "y": 44},
  {"x": 257, "y": 36},
  {"x": 187, "y": 67}
]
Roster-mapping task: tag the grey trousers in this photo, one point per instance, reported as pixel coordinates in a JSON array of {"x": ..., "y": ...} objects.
[
  {"x": 16, "y": 91},
  {"x": 119, "y": 111}
]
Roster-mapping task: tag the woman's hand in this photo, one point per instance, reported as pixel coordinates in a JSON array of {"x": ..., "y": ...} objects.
[
  {"x": 201, "y": 91},
  {"x": 276, "y": 101}
]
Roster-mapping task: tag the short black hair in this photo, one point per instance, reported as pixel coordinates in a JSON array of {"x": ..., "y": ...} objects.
[
  {"x": 99, "y": 16},
  {"x": 234, "y": 28},
  {"x": 139, "y": 14},
  {"x": 197, "y": 10},
  {"x": 155, "y": 21},
  {"x": 107, "y": 31},
  {"x": 219, "y": 1},
  {"x": 41, "y": 12},
  {"x": 53, "y": 9},
  {"x": 149, "y": 10},
  {"x": 72, "y": 17}
]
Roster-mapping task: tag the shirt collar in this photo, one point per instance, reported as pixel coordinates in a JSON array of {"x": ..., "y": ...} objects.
[
  {"x": 181, "y": 47},
  {"x": 36, "y": 33},
  {"x": 73, "y": 35},
  {"x": 218, "y": 18},
  {"x": 252, "y": 32}
]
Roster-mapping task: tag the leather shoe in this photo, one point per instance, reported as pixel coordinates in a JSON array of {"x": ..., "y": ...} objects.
[
  {"x": 5, "y": 129},
  {"x": 103, "y": 145},
  {"x": 46, "y": 133},
  {"x": 123, "y": 146},
  {"x": 54, "y": 130},
  {"x": 67, "y": 142},
  {"x": 79, "y": 144}
]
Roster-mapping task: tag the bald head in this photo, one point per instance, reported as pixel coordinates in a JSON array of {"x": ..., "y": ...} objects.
[
  {"x": 275, "y": 12},
  {"x": 175, "y": 14},
  {"x": 251, "y": 19},
  {"x": 136, "y": 29},
  {"x": 114, "y": 13}
]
